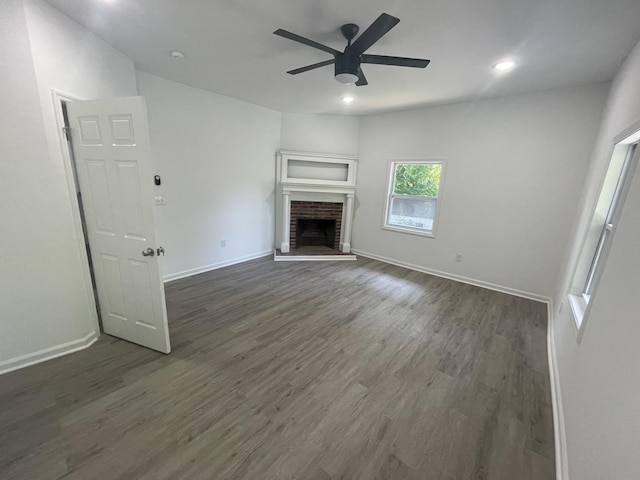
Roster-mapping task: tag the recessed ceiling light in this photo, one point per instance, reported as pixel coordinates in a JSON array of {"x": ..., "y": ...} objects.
[
  {"x": 347, "y": 99},
  {"x": 504, "y": 65},
  {"x": 177, "y": 54}
]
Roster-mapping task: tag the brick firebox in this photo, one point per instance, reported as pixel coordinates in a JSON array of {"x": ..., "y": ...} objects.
[{"x": 314, "y": 211}]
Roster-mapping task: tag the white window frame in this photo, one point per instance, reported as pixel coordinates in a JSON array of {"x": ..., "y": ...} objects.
[
  {"x": 389, "y": 194},
  {"x": 586, "y": 280}
]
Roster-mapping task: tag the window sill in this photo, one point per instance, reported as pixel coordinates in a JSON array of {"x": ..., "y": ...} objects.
[
  {"x": 411, "y": 231},
  {"x": 579, "y": 304},
  {"x": 578, "y": 308}
]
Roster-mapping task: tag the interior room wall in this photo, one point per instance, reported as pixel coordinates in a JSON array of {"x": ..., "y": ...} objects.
[
  {"x": 45, "y": 305},
  {"x": 73, "y": 61},
  {"x": 598, "y": 378},
  {"x": 515, "y": 167},
  {"x": 331, "y": 134},
  {"x": 320, "y": 133},
  {"x": 216, "y": 157}
]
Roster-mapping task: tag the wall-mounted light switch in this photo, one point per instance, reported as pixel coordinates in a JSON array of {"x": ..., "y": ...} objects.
[{"x": 161, "y": 200}]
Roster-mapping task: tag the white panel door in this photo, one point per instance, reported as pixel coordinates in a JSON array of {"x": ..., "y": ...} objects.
[{"x": 112, "y": 154}]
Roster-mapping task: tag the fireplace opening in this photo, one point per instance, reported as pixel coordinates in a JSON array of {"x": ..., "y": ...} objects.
[{"x": 316, "y": 232}]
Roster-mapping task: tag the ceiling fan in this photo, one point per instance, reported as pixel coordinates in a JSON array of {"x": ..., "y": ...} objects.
[{"x": 347, "y": 63}]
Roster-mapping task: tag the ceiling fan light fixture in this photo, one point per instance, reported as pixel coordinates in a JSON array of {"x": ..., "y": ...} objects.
[{"x": 346, "y": 77}]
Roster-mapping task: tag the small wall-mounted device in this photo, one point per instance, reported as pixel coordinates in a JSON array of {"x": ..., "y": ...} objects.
[{"x": 156, "y": 179}]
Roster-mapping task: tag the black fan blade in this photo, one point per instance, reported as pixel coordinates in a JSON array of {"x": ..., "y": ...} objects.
[
  {"x": 311, "y": 67},
  {"x": 375, "y": 32},
  {"x": 362, "y": 80},
  {"x": 396, "y": 61},
  {"x": 306, "y": 41}
]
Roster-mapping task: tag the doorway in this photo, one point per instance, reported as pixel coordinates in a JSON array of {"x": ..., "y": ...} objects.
[
  {"x": 68, "y": 147},
  {"x": 107, "y": 150}
]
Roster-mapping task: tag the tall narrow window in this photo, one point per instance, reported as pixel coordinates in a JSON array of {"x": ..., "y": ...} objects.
[
  {"x": 609, "y": 220},
  {"x": 603, "y": 222},
  {"x": 414, "y": 192}
]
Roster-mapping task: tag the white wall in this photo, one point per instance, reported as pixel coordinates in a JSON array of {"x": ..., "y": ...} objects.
[
  {"x": 599, "y": 378},
  {"x": 515, "y": 169},
  {"x": 45, "y": 306},
  {"x": 330, "y": 134},
  {"x": 71, "y": 60},
  {"x": 320, "y": 133},
  {"x": 216, "y": 157}
]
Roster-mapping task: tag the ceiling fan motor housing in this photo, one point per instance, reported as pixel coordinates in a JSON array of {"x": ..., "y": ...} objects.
[{"x": 347, "y": 66}]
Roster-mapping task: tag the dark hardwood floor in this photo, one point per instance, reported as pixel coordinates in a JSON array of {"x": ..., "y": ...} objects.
[{"x": 298, "y": 370}]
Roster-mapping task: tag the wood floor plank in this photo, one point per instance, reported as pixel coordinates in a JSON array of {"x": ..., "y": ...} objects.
[{"x": 298, "y": 370}]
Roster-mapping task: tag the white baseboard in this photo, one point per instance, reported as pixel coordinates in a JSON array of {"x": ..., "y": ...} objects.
[
  {"x": 206, "y": 268},
  {"x": 562, "y": 465},
  {"x": 312, "y": 258},
  {"x": 48, "y": 353},
  {"x": 457, "y": 278}
]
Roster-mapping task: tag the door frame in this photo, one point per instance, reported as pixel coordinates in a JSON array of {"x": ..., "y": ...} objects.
[{"x": 58, "y": 98}]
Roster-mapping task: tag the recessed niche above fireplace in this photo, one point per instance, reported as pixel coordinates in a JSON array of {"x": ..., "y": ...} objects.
[
  {"x": 315, "y": 195},
  {"x": 317, "y": 169}
]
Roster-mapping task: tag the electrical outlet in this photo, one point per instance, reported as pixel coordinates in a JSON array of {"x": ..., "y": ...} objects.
[
  {"x": 161, "y": 200},
  {"x": 458, "y": 257},
  {"x": 223, "y": 243}
]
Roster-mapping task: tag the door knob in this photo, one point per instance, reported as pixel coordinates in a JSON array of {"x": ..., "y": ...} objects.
[
  {"x": 148, "y": 252},
  {"x": 160, "y": 251}
]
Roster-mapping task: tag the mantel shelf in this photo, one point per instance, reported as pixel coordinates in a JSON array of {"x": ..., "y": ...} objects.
[{"x": 305, "y": 187}]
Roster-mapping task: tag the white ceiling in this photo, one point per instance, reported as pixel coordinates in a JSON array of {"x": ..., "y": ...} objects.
[{"x": 230, "y": 48}]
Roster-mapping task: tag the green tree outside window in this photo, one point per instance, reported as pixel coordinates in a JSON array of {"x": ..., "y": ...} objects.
[{"x": 417, "y": 179}]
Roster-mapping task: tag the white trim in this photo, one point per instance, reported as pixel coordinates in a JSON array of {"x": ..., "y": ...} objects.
[
  {"x": 579, "y": 308},
  {"x": 48, "y": 353},
  {"x": 391, "y": 168},
  {"x": 214, "y": 266},
  {"x": 581, "y": 303},
  {"x": 316, "y": 188},
  {"x": 321, "y": 155},
  {"x": 559, "y": 434},
  {"x": 346, "y": 217},
  {"x": 457, "y": 278},
  {"x": 58, "y": 97},
  {"x": 409, "y": 230},
  {"x": 310, "y": 258},
  {"x": 350, "y": 161}
]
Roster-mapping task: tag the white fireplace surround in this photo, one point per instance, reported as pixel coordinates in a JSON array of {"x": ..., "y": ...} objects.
[{"x": 314, "y": 177}]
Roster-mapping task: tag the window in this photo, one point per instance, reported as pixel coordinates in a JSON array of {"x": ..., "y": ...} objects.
[
  {"x": 413, "y": 196},
  {"x": 600, "y": 233},
  {"x": 607, "y": 225}
]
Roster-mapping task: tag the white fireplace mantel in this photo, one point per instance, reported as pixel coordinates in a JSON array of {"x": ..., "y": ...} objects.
[
  {"x": 294, "y": 187},
  {"x": 315, "y": 177}
]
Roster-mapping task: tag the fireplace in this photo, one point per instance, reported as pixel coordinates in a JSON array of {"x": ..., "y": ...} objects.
[
  {"x": 314, "y": 211},
  {"x": 316, "y": 233},
  {"x": 313, "y": 222}
]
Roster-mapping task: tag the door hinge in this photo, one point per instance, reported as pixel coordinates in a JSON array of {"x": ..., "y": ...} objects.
[{"x": 67, "y": 133}]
